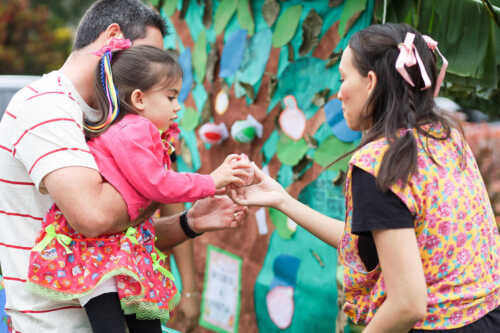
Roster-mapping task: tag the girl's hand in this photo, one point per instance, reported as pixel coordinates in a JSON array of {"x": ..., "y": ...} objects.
[
  {"x": 264, "y": 192},
  {"x": 234, "y": 170}
]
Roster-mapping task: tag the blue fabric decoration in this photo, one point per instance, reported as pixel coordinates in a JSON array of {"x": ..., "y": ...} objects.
[
  {"x": 187, "y": 74},
  {"x": 285, "y": 268},
  {"x": 255, "y": 60},
  {"x": 232, "y": 54},
  {"x": 336, "y": 121}
]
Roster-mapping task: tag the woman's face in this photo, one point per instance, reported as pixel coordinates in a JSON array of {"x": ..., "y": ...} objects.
[{"x": 354, "y": 92}]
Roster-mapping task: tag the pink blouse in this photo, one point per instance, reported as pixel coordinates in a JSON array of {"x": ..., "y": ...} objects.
[{"x": 132, "y": 157}]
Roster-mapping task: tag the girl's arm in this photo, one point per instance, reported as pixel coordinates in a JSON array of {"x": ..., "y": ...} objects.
[
  {"x": 268, "y": 192},
  {"x": 406, "y": 301}
]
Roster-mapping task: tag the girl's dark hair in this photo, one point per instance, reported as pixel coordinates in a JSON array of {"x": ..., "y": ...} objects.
[
  {"x": 140, "y": 67},
  {"x": 394, "y": 104}
]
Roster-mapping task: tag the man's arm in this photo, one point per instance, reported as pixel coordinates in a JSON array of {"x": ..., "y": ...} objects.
[
  {"x": 92, "y": 206},
  {"x": 209, "y": 214}
]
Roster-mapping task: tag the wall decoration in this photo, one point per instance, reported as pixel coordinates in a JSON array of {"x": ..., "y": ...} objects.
[
  {"x": 247, "y": 130},
  {"x": 213, "y": 134},
  {"x": 292, "y": 120},
  {"x": 220, "y": 307}
]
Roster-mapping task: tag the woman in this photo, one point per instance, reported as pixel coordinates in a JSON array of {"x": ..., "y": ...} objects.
[{"x": 420, "y": 247}]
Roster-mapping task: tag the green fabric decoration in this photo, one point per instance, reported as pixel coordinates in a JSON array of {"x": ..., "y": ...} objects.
[
  {"x": 169, "y": 7},
  {"x": 269, "y": 147},
  {"x": 285, "y": 175},
  {"x": 190, "y": 119},
  {"x": 245, "y": 17},
  {"x": 350, "y": 9},
  {"x": 200, "y": 96},
  {"x": 224, "y": 12},
  {"x": 329, "y": 150},
  {"x": 200, "y": 57},
  {"x": 280, "y": 222},
  {"x": 286, "y": 26},
  {"x": 50, "y": 235},
  {"x": 291, "y": 152}
]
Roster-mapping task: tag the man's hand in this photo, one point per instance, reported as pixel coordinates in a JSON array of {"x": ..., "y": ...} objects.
[{"x": 215, "y": 213}]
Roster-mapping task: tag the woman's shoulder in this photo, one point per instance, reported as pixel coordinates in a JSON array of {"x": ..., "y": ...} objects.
[{"x": 370, "y": 152}]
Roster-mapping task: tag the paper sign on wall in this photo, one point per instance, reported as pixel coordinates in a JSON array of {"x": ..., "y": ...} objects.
[{"x": 221, "y": 298}]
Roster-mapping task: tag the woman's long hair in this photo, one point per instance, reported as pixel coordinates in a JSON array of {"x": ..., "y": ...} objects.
[
  {"x": 394, "y": 104},
  {"x": 141, "y": 67}
]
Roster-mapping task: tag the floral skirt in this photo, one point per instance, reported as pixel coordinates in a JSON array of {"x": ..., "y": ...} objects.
[{"x": 65, "y": 265}]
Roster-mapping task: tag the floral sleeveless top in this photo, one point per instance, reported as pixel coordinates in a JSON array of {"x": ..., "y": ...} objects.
[{"x": 456, "y": 234}]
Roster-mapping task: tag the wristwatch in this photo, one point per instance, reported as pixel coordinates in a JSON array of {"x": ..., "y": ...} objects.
[{"x": 186, "y": 228}]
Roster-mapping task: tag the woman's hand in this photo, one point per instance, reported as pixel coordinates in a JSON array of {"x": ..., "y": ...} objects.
[{"x": 264, "y": 192}]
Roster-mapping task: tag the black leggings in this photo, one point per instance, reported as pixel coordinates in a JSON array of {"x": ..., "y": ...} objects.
[{"x": 106, "y": 316}]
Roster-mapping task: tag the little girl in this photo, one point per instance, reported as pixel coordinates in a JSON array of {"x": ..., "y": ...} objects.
[{"x": 137, "y": 91}]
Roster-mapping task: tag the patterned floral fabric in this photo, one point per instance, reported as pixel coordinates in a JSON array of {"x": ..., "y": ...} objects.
[
  {"x": 66, "y": 265},
  {"x": 456, "y": 234}
]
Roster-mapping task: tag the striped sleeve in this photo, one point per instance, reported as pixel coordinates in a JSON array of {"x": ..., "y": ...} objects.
[{"x": 49, "y": 136}]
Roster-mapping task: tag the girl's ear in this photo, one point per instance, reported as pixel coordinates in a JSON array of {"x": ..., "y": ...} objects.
[
  {"x": 137, "y": 100},
  {"x": 372, "y": 81}
]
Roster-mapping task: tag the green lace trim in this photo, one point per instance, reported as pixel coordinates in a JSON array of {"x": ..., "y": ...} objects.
[{"x": 66, "y": 296}]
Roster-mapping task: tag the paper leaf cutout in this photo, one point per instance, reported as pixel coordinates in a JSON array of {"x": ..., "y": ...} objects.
[
  {"x": 331, "y": 149},
  {"x": 245, "y": 17},
  {"x": 351, "y": 11},
  {"x": 291, "y": 152},
  {"x": 154, "y": 3},
  {"x": 248, "y": 90},
  {"x": 311, "y": 28},
  {"x": 232, "y": 54},
  {"x": 213, "y": 57},
  {"x": 200, "y": 56},
  {"x": 224, "y": 12},
  {"x": 187, "y": 74},
  {"x": 279, "y": 220},
  {"x": 270, "y": 11},
  {"x": 286, "y": 26},
  {"x": 190, "y": 119},
  {"x": 335, "y": 119},
  {"x": 169, "y": 7},
  {"x": 207, "y": 13}
]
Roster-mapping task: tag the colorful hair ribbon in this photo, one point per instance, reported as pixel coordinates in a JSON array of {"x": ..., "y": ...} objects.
[
  {"x": 408, "y": 56},
  {"x": 115, "y": 44},
  {"x": 433, "y": 45}
]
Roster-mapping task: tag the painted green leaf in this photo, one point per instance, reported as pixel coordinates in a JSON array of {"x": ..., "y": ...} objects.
[
  {"x": 270, "y": 11},
  {"x": 311, "y": 28},
  {"x": 352, "y": 9},
  {"x": 286, "y": 26},
  {"x": 245, "y": 17},
  {"x": 280, "y": 222},
  {"x": 190, "y": 119},
  {"x": 154, "y": 2},
  {"x": 331, "y": 149},
  {"x": 291, "y": 152},
  {"x": 169, "y": 7},
  {"x": 224, "y": 13},
  {"x": 200, "y": 56}
]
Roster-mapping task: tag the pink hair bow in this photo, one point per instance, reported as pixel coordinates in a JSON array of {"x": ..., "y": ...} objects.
[
  {"x": 408, "y": 56},
  {"x": 114, "y": 45},
  {"x": 433, "y": 45}
]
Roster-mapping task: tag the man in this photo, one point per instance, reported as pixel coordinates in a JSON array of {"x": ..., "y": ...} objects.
[{"x": 44, "y": 159}]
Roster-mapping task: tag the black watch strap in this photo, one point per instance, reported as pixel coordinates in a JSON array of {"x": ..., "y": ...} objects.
[{"x": 186, "y": 228}]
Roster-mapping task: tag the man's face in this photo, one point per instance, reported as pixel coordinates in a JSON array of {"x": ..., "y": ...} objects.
[{"x": 153, "y": 38}]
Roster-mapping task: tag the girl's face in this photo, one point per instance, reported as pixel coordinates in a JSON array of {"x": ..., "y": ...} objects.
[
  {"x": 354, "y": 92},
  {"x": 160, "y": 105}
]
